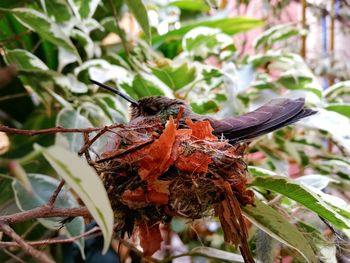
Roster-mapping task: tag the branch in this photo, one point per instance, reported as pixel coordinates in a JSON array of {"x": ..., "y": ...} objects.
[
  {"x": 40, "y": 256},
  {"x": 54, "y": 240},
  {"x": 55, "y": 194},
  {"x": 44, "y": 212},
  {"x": 45, "y": 131}
]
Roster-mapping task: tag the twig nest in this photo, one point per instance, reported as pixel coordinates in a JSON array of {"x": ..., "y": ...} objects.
[{"x": 153, "y": 173}]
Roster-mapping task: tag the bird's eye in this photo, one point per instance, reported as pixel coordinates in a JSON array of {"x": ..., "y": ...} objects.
[{"x": 151, "y": 109}]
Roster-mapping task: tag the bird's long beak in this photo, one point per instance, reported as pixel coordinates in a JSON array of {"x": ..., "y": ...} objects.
[{"x": 124, "y": 96}]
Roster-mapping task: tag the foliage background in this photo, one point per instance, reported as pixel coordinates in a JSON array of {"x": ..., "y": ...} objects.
[{"x": 184, "y": 49}]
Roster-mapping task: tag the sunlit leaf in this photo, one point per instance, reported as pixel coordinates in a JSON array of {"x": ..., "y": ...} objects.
[
  {"x": 304, "y": 196},
  {"x": 274, "y": 224},
  {"x": 201, "y": 42},
  {"x": 42, "y": 188},
  {"x": 194, "y": 5},
  {"x": 277, "y": 33},
  {"x": 229, "y": 26},
  {"x": 24, "y": 60},
  {"x": 341, "y": 108},
  {"x": 138, "y": 8},
  {"x": 337, "y": 90},
  {"x": 84, "y": 180}
]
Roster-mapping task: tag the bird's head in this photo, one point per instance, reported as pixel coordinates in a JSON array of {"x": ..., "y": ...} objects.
[{"x": 150, "y": 106}]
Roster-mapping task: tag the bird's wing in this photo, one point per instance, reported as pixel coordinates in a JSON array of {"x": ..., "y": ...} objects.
[{"x": 273, "y": 115}]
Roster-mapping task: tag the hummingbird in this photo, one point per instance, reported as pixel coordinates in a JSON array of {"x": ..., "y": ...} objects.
[{"x": 273, "y": 115}]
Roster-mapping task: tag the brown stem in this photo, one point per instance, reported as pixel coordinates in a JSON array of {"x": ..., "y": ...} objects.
[
  {"x": 38, "y": 255},
  {"x": 13, "y": 256},
  {"x": 55, "y": 194},
  {"x": 44, "y": 212},
  {"x": 303, "y": 22},
  {"x": 45, "y": 131}
]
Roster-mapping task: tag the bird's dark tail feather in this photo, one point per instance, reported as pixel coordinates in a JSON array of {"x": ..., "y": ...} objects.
[{"x": 273, "y": 115}]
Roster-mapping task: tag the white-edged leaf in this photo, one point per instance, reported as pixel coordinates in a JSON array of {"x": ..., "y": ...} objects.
[
  {"x": 337, "y": 90},
  {"x": 84, "y": 180},
  {"x": 85, "y": 40},
  {"x": 316, "y": 181},
  {"x": 274, "y": 224},
  {"x": 341, "y": 108},
  {"x": 45, "y": 27},
  {"x": 103, "y": 71},
  {"x": 84, "y": 9},
  {"x": 303, "y": 196},
  {"x": 70, "y": 118},
  {"x": 24, "y": 60},
  {"x": 42, "y": 188}
]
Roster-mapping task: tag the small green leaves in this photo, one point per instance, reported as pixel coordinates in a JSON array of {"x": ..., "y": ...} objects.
[
  {"x": 274, "y": 224},
  {"x": 85, "y": 182}
]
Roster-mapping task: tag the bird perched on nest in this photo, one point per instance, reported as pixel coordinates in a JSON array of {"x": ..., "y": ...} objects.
[{"x": 273, "y": 115}]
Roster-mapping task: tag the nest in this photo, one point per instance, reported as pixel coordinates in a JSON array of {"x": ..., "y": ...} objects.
[{"x": 154, "y": 172}]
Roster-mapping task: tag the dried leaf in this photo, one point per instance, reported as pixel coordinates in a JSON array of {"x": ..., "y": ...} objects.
[
  {"x": 196, "y": 162},
  {"x": 150, "y": 238},
  {"x": 201, "y": 130},
  {"x": 135, "y": 198},
  {"x": 156, "y": 160}
]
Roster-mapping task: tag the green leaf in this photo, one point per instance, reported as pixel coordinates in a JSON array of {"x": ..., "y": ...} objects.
[
  {"x": 142, "y": 87},
  {"x": 229, "y": 26},
  {"x": 45, "y": 27},
  {"x": 84, "y": 180},
  {"x": 300, "y": 82},
  {"x": 58, "y": 10},
  {"x": 304, "y": 196},
  {"x": 274, "y": 224},
  {"x": 337, "y": 90},
  {"x": 175, "y": 77},
  {"x": 341, "y": 108},
  {"x": 42, "y": 188},
  {"x": 193, "y": 5},
  {"x": 140, "y": 12},
  {"x": 276, "y": 34},
  {"x": 84, "y": 9}
]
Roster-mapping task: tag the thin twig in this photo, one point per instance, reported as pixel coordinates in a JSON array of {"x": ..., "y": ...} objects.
[
  {"x": 13, "y": 256},
  {"x": 14, "y": 96},
  {"x": 55, "y": 194},
  {"x": 53, "y": 240},
  {"x": 38, "y": 255}
]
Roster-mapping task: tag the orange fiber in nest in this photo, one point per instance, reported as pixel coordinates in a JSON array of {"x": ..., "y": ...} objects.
[{"x": 181, "y": 172}]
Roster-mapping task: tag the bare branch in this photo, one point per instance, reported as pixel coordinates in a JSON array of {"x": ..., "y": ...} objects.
[
  {"x": 45, "y": 131},
  {"x": 55, "y": 194},
  {"x": 44, "y": 212},
  {"x": 38, "y": 255}
]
